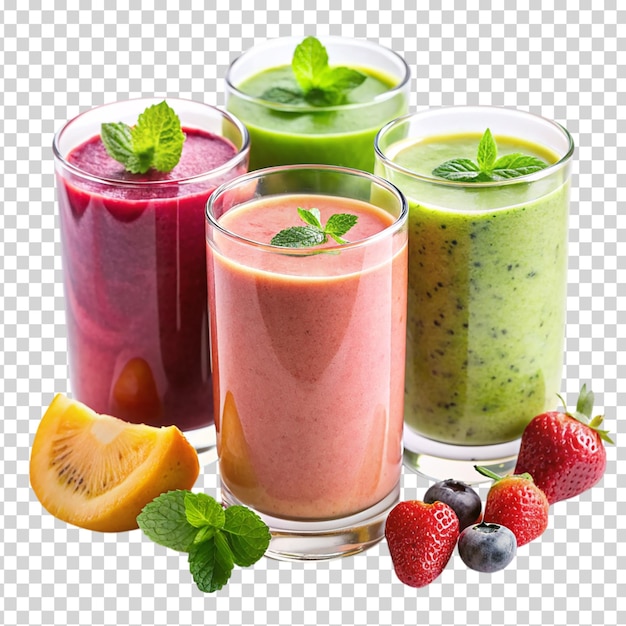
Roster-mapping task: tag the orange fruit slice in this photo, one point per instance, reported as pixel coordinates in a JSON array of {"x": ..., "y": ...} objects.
[{"x": 98, "y": 472}]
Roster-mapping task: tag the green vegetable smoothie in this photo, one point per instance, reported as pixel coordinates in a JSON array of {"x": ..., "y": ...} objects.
[
  {"x": 282, "y": 134},
  {"x": 487, "y": 288}
]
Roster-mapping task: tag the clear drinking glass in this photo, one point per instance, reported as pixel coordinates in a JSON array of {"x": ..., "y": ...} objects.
[
  {"x": 341, "y": 135},
  {"x": 487, "y": 286},
  {"x": 308, "y": 356},
  {"x": 134, "y": 266}
]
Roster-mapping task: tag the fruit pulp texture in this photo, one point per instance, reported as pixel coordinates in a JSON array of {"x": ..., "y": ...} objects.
[
  {"x": 338, "y": 137},
  {"x": 135, "y": 285},
  {"x": 486, "y": 303},
  {"x": 308, "y": 356}
]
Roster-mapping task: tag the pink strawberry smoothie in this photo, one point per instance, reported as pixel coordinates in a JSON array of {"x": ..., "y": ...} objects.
[
  {"x": 308, "y": 360},
  {"x": 135, "y": 283}
]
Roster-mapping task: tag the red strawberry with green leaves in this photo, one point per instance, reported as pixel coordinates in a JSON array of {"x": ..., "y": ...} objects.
[
  {"x": 421, "y": 539},
  {"x": 516, "y": 502},
  {"x": 564, "y": 452}
]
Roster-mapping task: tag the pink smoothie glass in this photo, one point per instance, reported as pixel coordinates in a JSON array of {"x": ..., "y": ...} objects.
[
  {"x": 308, "y": 356},
  {"x": 134, "y": 266}
]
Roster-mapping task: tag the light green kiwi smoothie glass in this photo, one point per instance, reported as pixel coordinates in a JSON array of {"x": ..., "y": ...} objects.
[{"x": 487, "y": 284}]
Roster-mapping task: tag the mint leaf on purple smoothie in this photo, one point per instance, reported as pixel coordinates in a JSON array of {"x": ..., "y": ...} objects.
[{"x": 156, "y": 141}]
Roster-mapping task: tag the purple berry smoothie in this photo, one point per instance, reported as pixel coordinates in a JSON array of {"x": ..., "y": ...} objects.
[{"x": 135, "y": 282}]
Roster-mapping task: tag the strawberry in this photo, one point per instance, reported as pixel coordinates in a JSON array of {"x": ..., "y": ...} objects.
[
  {"x": 564, "y": 452},
  {"x": 421, "y": 539},
  {"x": 516, "y": 502}
]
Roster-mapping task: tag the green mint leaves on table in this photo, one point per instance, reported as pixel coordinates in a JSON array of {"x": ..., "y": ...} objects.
[
  {"x": 320, "y": 85},
  {"x": 487, "y": 167},
  {"x": 156, "y": 141},
  {"x": 216, "y": 539},
  {"x": 314, "y": 234}
]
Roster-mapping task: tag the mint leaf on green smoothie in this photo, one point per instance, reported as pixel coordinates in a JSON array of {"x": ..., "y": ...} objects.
[
  {"x": 514, "y": 165},
  {"x": 318, "y": 84},
  {"x": 487, "y": 166},
  {"x": 463, "y": 170},
  {"x": 282, "y": 95},
  {"x": 314, "y": 234},
  {"x": 310, "y": 61},
  {"x": 487, "y": 151},
  {"x": 156, "y": 141},
  {"x": 215, "y": 539}
]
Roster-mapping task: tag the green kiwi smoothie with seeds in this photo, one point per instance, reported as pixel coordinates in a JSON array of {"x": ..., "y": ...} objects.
[{"x": 487, "y": 290}]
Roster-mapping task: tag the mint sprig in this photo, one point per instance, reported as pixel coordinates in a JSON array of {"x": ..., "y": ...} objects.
[
  {"x": 487, "y": 167},
  {"x": 314, "y": 234},
  {"x": 156, "y": 141},
  {"x": 215, "y": 539},
  {"x": 319, "y": 84}
]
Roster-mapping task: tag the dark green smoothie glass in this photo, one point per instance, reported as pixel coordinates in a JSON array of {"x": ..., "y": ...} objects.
[{"x": 343, "y": 135}]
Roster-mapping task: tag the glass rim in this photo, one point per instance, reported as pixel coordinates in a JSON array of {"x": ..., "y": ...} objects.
[
  {"x": 233, "y": 162},
  {"x": 244, "y": 179},
  {"x": 528, "y": 178},
  {"x": 278, "y": 106}
]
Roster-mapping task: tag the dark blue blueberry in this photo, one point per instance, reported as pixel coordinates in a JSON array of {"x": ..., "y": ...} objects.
[
  {"x": 461, "y": 497},
  {"x": 487, "y": 547}
]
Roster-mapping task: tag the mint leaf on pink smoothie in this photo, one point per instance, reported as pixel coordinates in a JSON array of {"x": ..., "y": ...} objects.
[
  {"x": 339, "y": 224},
  {"x": 156, "y": 141},
  {"x": 311, "y": 217},
  {"x": 488, "y": 167},
  {"x": 314, "y": 234}
]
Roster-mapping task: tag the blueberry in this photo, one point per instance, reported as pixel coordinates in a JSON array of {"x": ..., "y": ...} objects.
[
  {"x": 461, "y": 497},
  {"x": 487, "y": 547}
]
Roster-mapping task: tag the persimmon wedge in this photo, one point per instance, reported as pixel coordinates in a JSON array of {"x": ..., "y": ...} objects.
[{"x": 98, "y": 472}]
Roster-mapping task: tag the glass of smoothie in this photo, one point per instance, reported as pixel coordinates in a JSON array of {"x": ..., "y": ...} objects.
[
  {"x": 134, "y": 266},
  {"x": 337, "y": 131},
  {"x": 308, "y": 353},
  {"x": 487, "y": 280}
]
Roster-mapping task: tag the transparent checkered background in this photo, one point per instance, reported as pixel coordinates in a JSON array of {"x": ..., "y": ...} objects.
[{"x": 560, "y": 59}]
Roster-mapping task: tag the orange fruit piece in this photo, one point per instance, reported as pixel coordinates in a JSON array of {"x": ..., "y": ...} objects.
[{"x": 98, "y": 472}]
